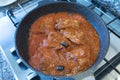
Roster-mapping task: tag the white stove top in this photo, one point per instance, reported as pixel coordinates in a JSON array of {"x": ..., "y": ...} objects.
[{"x": 7, "y": 32}]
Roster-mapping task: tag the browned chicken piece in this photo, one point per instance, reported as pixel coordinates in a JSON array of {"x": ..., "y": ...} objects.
[
  {"x": 76, "y": 36},
  {"x": 66, "y": 22},
  {"x": 70, "y": 28},
  {"x": 54, "y": 40},
  {"x": 79, "y": 56},
  {"x": 81, "y": 52}
]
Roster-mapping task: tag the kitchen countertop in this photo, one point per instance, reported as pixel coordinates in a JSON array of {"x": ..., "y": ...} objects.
[{"x": 6, "y": 73}]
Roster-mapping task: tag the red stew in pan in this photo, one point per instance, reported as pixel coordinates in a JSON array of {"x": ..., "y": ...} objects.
[{"x": 62, "y": 44}]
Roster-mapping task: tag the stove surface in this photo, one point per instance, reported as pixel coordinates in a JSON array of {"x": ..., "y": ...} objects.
[
  {"x": 104, "y": 71},
  {"x": 6, "y": 72}
]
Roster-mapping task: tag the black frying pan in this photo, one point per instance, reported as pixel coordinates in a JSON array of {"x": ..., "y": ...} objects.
[{"x": 22, "y": 33}]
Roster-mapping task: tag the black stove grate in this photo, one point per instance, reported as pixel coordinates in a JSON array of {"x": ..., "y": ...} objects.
[{"x": 110, "y": 64}]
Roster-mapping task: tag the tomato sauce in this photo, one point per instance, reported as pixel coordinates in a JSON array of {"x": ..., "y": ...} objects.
[{"x": 62, "y": 44}]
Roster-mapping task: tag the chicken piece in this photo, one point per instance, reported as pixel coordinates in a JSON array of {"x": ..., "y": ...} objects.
[
  {"x": 70, "y": 28},
  {"x": 80, "y": 55},
  {"x": 66, "y": 22},
  {"x": 54, "y": 40},
  {"x": 83, "y": 57},
  {"x": 81, "y": 52},
  {"x": 74, "y": 35}
]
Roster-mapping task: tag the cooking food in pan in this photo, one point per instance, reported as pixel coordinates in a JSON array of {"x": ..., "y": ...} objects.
[{"x": 62, "y": 44}]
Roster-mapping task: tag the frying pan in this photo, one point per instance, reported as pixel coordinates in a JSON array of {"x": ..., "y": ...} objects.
[{"x": 22, "y": 34}]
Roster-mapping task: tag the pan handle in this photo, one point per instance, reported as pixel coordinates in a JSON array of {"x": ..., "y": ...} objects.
[
  {"x": 43, "y": 2},
  {"x": 89, "y": 78},
  {"x": 64, "y": 78},
  {"x": 87, "y": 75}
]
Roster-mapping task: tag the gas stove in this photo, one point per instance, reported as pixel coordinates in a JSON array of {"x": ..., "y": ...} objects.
[{"x": 108, "y": 69}]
